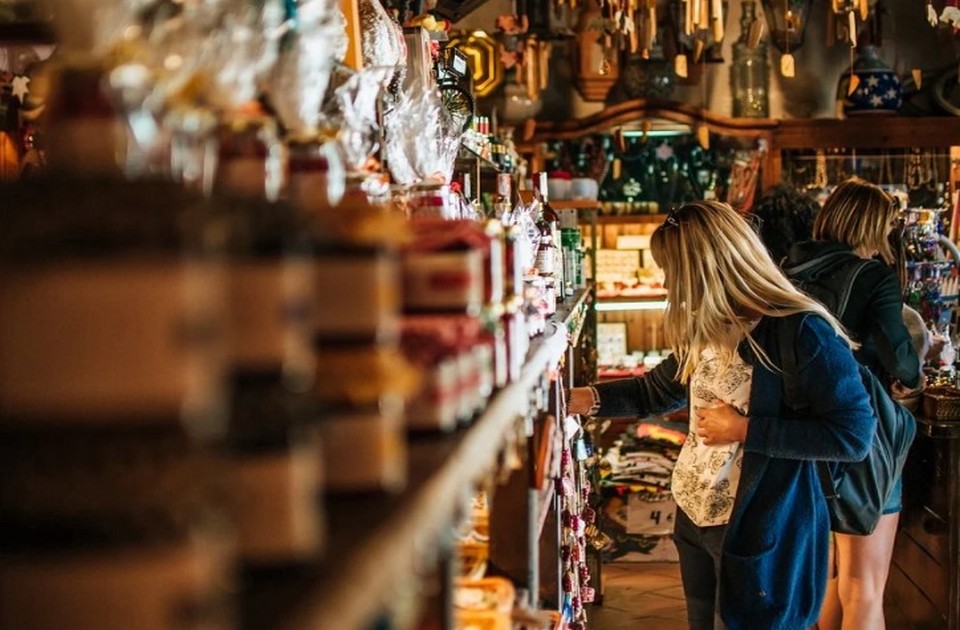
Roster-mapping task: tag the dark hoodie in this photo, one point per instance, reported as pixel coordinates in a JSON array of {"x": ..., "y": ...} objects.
[{"x": 873, "y": 316}]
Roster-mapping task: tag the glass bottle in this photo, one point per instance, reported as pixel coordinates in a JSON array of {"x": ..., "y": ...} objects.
[
  {"x": 750, "y": 72},
  {"x": 549, "y": 262},
  {"x": 502, "y": 203}
]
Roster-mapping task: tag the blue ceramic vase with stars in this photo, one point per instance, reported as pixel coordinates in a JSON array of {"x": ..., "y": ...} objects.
[{"x": 879, "y": 90}]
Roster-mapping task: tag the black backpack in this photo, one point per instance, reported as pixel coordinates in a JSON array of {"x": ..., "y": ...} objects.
[
  {"x": 828, "y": 278},
  {"x": 856, "y": 492}
]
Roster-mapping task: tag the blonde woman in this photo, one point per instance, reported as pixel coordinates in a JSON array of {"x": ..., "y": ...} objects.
[
  {"x": 752, "y": 528},
  {"x": 854, "y": 224}
]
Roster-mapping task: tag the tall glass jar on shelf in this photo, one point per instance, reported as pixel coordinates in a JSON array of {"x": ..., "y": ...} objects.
[{"x": 750, "y": 72}]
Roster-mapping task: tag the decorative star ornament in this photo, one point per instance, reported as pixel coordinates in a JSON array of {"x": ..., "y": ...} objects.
[{"x": 20, "y": 87}]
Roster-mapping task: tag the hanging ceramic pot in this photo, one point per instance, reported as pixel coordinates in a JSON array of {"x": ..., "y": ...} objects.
[{"x": 876, "y": 88}]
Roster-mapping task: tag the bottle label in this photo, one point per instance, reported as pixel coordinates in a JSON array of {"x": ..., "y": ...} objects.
[
  {"x": 444, "y": 280},
  {"x": 131, "y": 339},
  {"x": 243, "y": 176},
  {"x": 307, "y": 189},
  {"x": 357, "y": 296},
  {"x": 504, "y": 185},
  {"x": 546, "y": 261}
]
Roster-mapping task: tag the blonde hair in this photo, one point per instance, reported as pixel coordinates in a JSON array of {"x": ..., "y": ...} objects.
[
  {"x": 718, "y": 277},
  {"x": 858, "y": 214}
]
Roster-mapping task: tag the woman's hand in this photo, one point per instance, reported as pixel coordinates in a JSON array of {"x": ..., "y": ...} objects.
[
  {"x": 582, "y": 400},
  {"x": 721, "y": 425},
  {"x": 899, "y": 391}
]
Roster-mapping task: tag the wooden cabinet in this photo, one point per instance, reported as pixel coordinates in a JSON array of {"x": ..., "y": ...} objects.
[{"x": 772, "y": 137}]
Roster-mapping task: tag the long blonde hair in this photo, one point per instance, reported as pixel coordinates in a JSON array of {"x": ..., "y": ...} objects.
[
  {"x": 860, "y": 215},
  {"x": 719, "y": 276}
]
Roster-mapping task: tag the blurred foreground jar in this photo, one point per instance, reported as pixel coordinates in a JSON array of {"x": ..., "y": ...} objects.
[
  {"x": 273, "y": 457},
  {"x": 361, "y": 380},
  {"x": 111, "y": 383}
]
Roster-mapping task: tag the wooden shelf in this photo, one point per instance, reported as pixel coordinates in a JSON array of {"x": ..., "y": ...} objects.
[
  {"x": 629, "y": 219},
  {"x": 866, "y": 132},
  {"x": 632, "y": 112},
  {"x": 575, "y": 204},
  {"x": 376, "y": 540}
]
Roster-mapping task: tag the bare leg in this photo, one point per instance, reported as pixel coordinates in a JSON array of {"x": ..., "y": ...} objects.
[
  {"x": 863, "y": 563},
  {"x": 831, "y": 614}
]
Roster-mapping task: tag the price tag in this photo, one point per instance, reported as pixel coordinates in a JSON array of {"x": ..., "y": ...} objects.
[
  {"x": 680, "y": 66},
  {"x": 580, "y": 452},
  {"x": 703, "y": 136},
  {"x": 788, "y": 66},
  {"x": 698, "y": 47},
  {"x": 853, "y": 85},
  {"x": 754, "y": 34}
]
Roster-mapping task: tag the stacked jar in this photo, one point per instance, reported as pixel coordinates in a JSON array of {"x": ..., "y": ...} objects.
[
  {"x": 272, "y": 452},
  {"x": 361, "y": 378}
]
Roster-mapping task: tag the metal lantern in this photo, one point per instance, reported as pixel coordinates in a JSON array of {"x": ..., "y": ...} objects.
[{"x": 787, "y": 19}]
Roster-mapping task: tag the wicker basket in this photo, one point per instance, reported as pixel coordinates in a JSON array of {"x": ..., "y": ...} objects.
[{"x": 942, "y": 403}]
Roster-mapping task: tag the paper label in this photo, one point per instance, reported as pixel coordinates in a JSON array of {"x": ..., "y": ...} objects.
[
  {"x": 276, "y": 504},
  {"x": 357, "y": 295},
  {"x": 148, "y": 589},
  {"x": 130, "y": 339},
  {"x": 270, "y": 312}
]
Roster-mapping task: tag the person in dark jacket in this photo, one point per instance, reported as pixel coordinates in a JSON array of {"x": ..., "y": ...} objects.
[
  {"x": 855, "y": 223},
  {"x": 787, "y": 218},
  {"x": 752, "y": 527}
]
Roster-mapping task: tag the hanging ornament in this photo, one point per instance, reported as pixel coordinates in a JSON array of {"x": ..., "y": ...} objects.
[{"x": 20, "y": 87}]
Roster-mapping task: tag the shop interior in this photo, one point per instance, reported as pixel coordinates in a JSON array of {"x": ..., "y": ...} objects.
[{"x": 292, "y": 293}]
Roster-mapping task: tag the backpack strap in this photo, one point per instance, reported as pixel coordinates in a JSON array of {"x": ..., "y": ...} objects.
[
  {"x": 845, "y": 278},
  {"x": 850, "y": 275},
  {"x": 787, "y": 330},
  {"x": 816, "y": 262}
]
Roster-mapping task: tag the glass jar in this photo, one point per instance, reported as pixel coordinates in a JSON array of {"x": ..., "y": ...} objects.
[{"x": 750, "y": 72}]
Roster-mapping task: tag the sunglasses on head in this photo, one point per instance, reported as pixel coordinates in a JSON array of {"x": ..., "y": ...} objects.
[{"x": 673, "y": 219}]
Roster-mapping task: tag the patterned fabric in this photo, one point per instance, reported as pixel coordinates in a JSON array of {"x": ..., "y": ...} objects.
[{"x": 705, "y": 478}]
